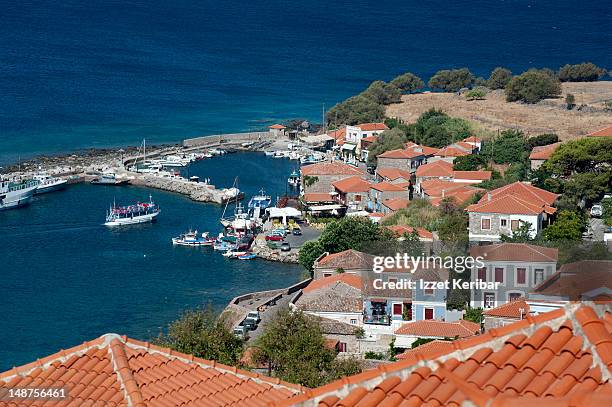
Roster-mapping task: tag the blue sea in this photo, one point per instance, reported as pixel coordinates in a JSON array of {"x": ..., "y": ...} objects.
[{"x": 78, "y": 74}]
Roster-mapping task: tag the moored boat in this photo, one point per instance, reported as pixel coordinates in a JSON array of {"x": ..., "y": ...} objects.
[
  {"x": 193, "y": 239},
  {"x": 247, "y": 256},
  {"x": 109, "y": 179},
  {"x": 133, "y": 214},
  {"x": 16, "y": 194},
  {"x": 258, "y": 204},
  {"x": 47, "y": 183},
  {"x": 294, "y": 179}
]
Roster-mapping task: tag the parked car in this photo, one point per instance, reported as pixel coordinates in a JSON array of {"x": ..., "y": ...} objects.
[
  {"x": 596, "y": 211},
  {"x": 297, "y": 231},
  {"x": 253, "y": 315},
  {"x": 274, "y": 238},
  {"x": 250, "y": 324},
  {"x": 285, "y": 247},
  {"x": 241, "y": 331}
]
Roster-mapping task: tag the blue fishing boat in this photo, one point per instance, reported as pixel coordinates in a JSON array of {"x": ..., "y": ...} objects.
[{"x": 248, "y": 256}]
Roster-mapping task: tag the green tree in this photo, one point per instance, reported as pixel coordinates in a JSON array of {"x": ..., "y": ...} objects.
[
  {"x": 408, "y": 82},
  {"x": 388, "y": 140},
  {"x": 542, "y": 140},
  {"x": 310, "y": 180},
  {"x": 590, "y": 154},
  {"x": 435, "y": 128},
  {"x": 473, "y": 314},
  {"x": 202, "y": 334},
  {"x": 452, "y": 80},
  {"x": 509, "y": 147},
  {"x": 472, "y": 162},
  {"x": 309, "y": 252},
  {"x": 520, "y": 235},
  {"x": 567, "y": 226},
  {"x": 294, "y": 347},
  {"x": 351, "y": 232},
  {"x": 532, "y": 86},
  {"x": 476, "y": 94},
  {"x": 355, "y": 110},
  {"x": 499, "y": 78},
  {"x": 382, "y": 93},
  {"x": 584, "y": 72}
]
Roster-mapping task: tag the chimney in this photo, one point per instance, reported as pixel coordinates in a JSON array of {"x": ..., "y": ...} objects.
[{"x": 488, "y": 196}]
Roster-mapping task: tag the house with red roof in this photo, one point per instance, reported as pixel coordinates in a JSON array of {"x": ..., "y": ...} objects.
[
  {"x": 539, "y": 154},
  {"x": 392, "y": 175},
  {"x": 505, "y": 314},
  {"x": 392, "y": 205},
  {"x": 115, "y": 370},
  {"x": 350, "y": 261},
  {"x": 324, "y": 174},
  {"x": 504, "y": 210},
  {"x": 435, "y": 190},
  {"x": 517, "y": 268},
  {"x": 401, "y": 230},
  {"x": 410, "y": 332},
  {"x": 349, "y": 140},
  {"x": 383, "y": 191},
  {"x": 560, "y": 358},
  {"x": 475, "y": 141},
  {"x": 605, "y": 132},
  {"x": 404, "y": 159},
  {"x": 277, "y": 130},
  {"x": 454, "y": 150},
  {"x": 353, "y": 192}
]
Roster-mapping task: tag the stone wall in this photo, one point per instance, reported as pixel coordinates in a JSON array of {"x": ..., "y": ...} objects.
[{"x": 217, "y": 139}]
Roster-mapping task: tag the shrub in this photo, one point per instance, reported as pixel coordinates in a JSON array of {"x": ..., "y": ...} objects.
[
  {"x": 499, "y": 78},
  {"x": 451, "y": 80},
  {"x": 542, "y": 140},
  {"x": 570, "y": 101},
  {"x": 408, "y": 82},
  {"x": 476, "y": 94},
  {"x": 354, "y": 110},
  {"x": 532, "y": 86},
  {"x": 584, "y": 72}
]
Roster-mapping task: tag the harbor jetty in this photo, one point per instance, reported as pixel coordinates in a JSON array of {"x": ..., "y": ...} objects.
[{"x": 197, "y": 191}]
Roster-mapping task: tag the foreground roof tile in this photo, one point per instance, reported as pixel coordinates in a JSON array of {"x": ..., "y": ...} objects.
[
  {"x": 558, "y": 358},
  {"x": 118, "y": 371}
]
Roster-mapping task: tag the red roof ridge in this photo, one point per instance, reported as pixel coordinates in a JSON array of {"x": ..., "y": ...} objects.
[
  {"x": 125, "y": 376},
  {"x": 585, "y": 314}
]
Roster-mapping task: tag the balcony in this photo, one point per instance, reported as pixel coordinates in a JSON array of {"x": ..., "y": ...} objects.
[{"x": 377, "y": 319}]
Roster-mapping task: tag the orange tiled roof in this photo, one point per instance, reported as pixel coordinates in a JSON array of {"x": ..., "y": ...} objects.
[
  {"x": 387, "y": 186},
  {"x": 451, "y": 152},
  {"x": 516, "y": 252},
  {"x": 347, "y": 259},
  {"x": 347, "y": 278},
  {"x": 514, "y": 309},
  {"x": 437, "y": 345},
  {"x": 330, "y": 168},
  {"x": 508, "y": 205},
  {"x": 395, "y": 204},
  {"x": 463, "y": 145},
  {"x": 114, "y": 370},
  {"x": 277, "y": 126},
  {"x": 439, "y": 329},
  {"x": 338, "y": 134},
  {"x": 526, "y": 192},
  {"x": 400, "y": 154},
  {"x": 543, "y": 152},
  {"x": 472, "y": 139},
  {"x": 476, "y": 175},
  {"x": 438, "y": 168},
  {"x": 392, "y": 173},
  {"x": 425, "y": 150},
  {"x": 400, "y": 230},
  {"x": 372, "y": 126},
  {"x": 579, "y": 281},
  {"x": 318, "y": 197},
  {"x": 605, "y": 132},
  {"x": 437, "y": 189},
  {"x": 369, "y": 139},
  {"x": 352, "y": 184},
  {"x": 560, "y": 358}
]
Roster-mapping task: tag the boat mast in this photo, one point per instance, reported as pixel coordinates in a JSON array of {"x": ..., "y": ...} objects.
[{"x": 228, "y": 201}]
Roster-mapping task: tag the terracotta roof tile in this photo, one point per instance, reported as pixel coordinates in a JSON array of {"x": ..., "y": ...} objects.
[
  {"x": 439, "y": 329},
  {"x": 387, "y": 186},
  {"x": 372, "y": 126},
  {"x": 428, "y": 350},
  {"x": 114, "y": 370},
  {"x": 401, "y": 154},
  {"x": 451, "y": 152},
  {"x": 425, "y": 150},
  {"x": 352, "y": 184},
  {"x": 277, "y": 126},
  {"x": 347, "y": 259},
  {"x": 330, "y": 168},
  {"x": 578, "y": 281},
  {"x": 438, "y": 168},
  {"x": 605, "y": 132},
  {"x": 395, "y": 204},
  {"x": 318, "y": 197},
  {"x": 346, "y": 278},
  {"x": 516, "y": 252},
  {"x": 543, "y": 152},
  {"x": 511, "y": 366},
  {"x": 513, "y": 309},
  {"x": 475, "y": 175},
  {"x": 400, "y": 230},
  {"x": 392, "y": 173},
  {"x": 472, "y": 139}
]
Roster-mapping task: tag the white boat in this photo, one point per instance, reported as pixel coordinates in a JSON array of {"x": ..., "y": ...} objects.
[
  {"x": 47, "y": 183},
  {"x": 234, "y": 253},
  {"x": 133, "y": 214},
  {"x": 192, "y": 239},
  {"x": 269, "y": 153},
  {"x": 216, "y": 151},
  {"x": 174, "y": 161},
  {"x": 16, "y": 194},
  {"x": 294, "y": 179},
  {"x": 109, "y": 178}
]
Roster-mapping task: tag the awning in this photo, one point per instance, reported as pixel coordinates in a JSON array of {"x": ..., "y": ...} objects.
[
  {"x": 349, "y": 147},
  {"x": 324, "y": 207},
  {"x": 283, "y": 212}
]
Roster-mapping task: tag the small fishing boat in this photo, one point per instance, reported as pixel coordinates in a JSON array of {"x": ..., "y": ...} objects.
[
  {"x": 258, "y": 204},
  {"x": 109, "y": 179},
  {"x": 294, "y": 179},
  {"x": 47, "y": 183},
  {"x": 269, "y": 153},
  {"x": 248, "y": 256},
  {"x": 234, "y": 252},
  {"x": 192, "y": 239},
  {"x": 312, "y": 159},
  {"x": 133, "y": 214}
]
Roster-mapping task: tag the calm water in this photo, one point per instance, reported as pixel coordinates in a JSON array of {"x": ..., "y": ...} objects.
[
  {"x": 97, "y": 73},
  {"x": 66, "y": 279}
]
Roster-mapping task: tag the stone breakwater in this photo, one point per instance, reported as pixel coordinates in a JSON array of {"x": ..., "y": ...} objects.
[
  {"x": 197, "y": 191},
  {"x": 262, "y": 250}
]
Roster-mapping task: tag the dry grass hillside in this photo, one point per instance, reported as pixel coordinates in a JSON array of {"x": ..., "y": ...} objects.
[{"x": 493, "y": 113}]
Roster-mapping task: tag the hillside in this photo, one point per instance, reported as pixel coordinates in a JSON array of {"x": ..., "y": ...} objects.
[{"x": 549, "y": 116}]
